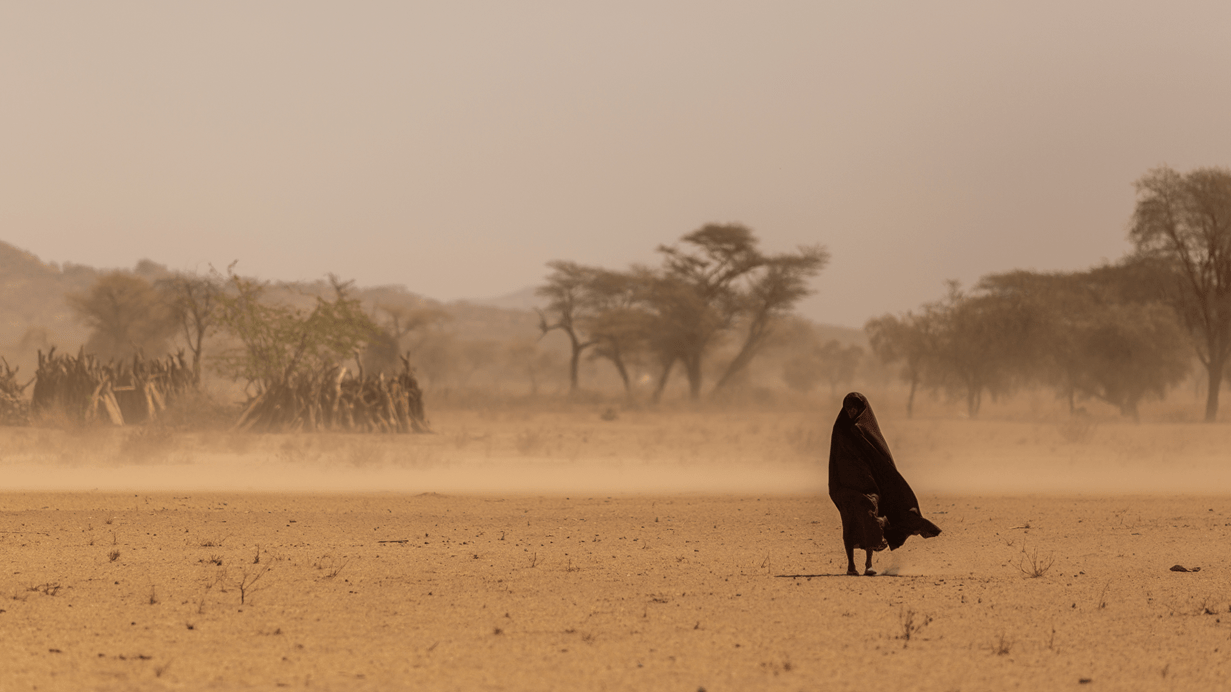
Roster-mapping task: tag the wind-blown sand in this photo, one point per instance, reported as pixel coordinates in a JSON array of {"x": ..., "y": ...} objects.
[{"x": 582, "y": 573}]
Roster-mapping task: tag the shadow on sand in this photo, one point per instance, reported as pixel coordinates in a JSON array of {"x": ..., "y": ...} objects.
[{"x": 844, "y": 574}]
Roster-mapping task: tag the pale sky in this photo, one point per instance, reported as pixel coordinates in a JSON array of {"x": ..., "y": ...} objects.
[{"x": 455, "y": 147}]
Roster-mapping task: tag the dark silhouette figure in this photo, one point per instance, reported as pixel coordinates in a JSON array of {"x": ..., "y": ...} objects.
[{"x": 878, "y": 507}]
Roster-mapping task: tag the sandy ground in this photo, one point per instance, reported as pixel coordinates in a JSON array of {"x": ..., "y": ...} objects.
[{"x": 548, "y": 552}]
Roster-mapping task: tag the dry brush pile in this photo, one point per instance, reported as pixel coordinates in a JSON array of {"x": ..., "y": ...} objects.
[
  {"x": 332, "y": 398},
  {"x": 14, "y": 409},
  {"x": 81, "y": 389}
]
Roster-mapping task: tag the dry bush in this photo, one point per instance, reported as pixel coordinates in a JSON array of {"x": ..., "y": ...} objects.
[
  {"x": 330, "y": 565},
  {"x": 1002, "y": 645},
  {"x": 47, "y": 589},
  {"x": 1034, "y": 566},
  {"x": 249, "y": 578}
]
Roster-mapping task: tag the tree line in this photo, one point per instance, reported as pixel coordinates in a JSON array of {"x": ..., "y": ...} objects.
[
  {"x": 714, "y": 284},
  {"x": 1119, "y": 333}
]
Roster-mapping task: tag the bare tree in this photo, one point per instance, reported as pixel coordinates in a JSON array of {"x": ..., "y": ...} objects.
[
  {"x": 194, "y": 304},
  {"x": 1185, "y": 220},
  {"x": 566, "y": 309}
]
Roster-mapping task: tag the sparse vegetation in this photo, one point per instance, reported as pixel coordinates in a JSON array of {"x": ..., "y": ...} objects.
[
  {"x": 912, "y": 624},
  {"x": 1032, "y": 565},
  {"x": 330, "y": 565},
  {"x": 248, "y": 581},
  {"x": 46, "y": 588}
]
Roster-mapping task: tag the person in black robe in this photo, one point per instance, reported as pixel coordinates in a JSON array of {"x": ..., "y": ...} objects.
[{"x": 878, "y": 507}]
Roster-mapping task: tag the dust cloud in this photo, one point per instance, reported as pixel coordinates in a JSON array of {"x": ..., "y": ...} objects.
[{"x": 646, "y": 451}]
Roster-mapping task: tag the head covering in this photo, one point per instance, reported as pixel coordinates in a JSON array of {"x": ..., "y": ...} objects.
[{"x": 875, "y": 501}]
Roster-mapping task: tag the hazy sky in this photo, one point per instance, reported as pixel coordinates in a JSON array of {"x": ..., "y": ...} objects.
[{"x": 455, "y": 147}]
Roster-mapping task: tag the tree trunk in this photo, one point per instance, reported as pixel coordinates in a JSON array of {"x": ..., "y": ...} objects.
[
  {"x": 619, "y": 364},
  {"x": 693, "y": 368},
  {"x": 1211, "y": 397},
  {"x": 756, "y": 336},
  {"x": 910, "y": 400},
  {"x": 572, "y": 368},
  {"x": 974, "y": 398},
  {"x": 662, "y": 380}
]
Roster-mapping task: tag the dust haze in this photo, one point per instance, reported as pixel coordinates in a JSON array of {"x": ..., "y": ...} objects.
[{"x": 601, "y": 449}]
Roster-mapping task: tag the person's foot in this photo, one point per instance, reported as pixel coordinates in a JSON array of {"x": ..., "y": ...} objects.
[
  {"x": 869, "y": 573},
  {"x": 852, "y": 572}
]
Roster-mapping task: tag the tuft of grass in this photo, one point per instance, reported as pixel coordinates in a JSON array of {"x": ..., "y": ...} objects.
[
  {"x": 50, "y": 588},
  {"x": 330, "y": 565},
  {"x": 113, "y": 555},
  {"x": 1034, "y": 566},
  {"x": 1002, "y": 645},
  {"x": 912, "y": 624}
]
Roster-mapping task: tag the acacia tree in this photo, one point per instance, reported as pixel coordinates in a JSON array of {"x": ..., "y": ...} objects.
[
  {"x": 125, "y": 315},
  {"x": 614, "y": 318},
  {"x": 567, "y": 309},
  {"x": 696, "y": 297},
  {"x": 714, "y": 279},
  {"x": 774, "y": 289},
  {"x": 278, "y": 339},
  {"x": 1185, "y": 221}
]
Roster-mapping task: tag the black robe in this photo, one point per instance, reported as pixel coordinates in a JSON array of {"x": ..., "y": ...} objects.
[{"x": 878, "y": 507}]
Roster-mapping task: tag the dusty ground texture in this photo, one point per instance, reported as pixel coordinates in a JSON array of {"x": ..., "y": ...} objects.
[
  {"x": 552, "y": 551},
  {"x": 387, "y": 591}
]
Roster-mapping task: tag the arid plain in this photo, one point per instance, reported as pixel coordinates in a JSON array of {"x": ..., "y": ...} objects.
[{"x": 538, "y": 549}]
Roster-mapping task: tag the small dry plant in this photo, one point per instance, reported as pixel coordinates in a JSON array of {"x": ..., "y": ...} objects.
[
  {"x": 1102, "y": 597},
  {"x": 912, "y": 624},
  {"x": 210, "y": 582},
  {"x": 1034, "y": 566},
  {"x": 1002, "y": 645},
  {"x": 248, "y": 580},
  {"x": 330, "y": 565},
  {"x": 113, "y": 555},
  {"x": 47, "y": 589}
]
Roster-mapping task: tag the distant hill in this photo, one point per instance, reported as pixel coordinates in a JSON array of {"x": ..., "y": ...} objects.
[{"x": 33, "y": 312}]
